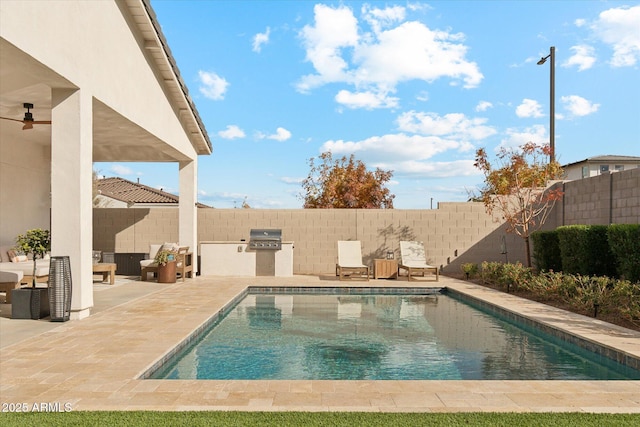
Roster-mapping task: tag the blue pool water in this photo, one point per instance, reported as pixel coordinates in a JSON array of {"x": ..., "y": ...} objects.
[{"x": 377, "y": 337}]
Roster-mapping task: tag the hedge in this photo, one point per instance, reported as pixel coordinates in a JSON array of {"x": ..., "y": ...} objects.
[
  {"x": 546, "y": 251},
  {"x": 624, "y": 242},
  {"x": 596, "y": 250}
]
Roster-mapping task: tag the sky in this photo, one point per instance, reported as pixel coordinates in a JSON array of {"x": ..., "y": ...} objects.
[{"x": 412, "y": 87}]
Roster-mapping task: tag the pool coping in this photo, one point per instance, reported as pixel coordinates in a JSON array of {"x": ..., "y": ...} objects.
[{"x": 94, "y": 364}]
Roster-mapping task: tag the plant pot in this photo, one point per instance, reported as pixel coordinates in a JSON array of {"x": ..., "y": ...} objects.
[
  {"x": 167, "y": 272},
  {"x": 29, "y": 303}
]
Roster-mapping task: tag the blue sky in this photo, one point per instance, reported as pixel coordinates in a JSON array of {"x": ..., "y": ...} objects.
[{"x": 412, "y": 87}]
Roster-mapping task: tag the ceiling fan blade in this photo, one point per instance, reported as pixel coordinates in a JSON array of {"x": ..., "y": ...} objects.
[
  {"x": 9, "y": 118},
  {"x": 27, "y": 125},
  {"x": 42, "y": 122}
]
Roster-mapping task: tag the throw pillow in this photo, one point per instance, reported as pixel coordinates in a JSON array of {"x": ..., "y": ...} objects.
[{"x": 16, "y": 256}]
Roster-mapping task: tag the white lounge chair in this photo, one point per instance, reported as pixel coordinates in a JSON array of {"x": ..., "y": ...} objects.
[
  {"x": 413, "y": 260},
  {"x": 350, "y": 261}
]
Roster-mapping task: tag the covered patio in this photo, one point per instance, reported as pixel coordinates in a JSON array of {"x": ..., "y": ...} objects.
[{"x": 103, "y": 75}]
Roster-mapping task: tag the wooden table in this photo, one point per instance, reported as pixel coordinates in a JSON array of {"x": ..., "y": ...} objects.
[
  {"x": 385, "y": 269},
  {"x": 106, "y": 269}
]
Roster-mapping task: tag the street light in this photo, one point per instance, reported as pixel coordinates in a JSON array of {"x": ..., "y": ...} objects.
[{"x": 552, "y": 106}]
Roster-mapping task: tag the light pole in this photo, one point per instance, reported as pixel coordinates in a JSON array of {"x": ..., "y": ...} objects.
[{"x": 552, "y": 102}]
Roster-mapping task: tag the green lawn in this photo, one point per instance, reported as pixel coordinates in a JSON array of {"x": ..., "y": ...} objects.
[{"x": 310, "y": 419}]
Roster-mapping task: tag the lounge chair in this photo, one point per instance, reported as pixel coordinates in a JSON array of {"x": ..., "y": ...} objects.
[
  {"x": 413, "y": 260},
  {"x": 184, "y": 266},
  {"x": 350, "y": 261}
]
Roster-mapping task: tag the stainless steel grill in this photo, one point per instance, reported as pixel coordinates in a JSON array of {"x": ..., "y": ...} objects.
[{"x": 270, "y": 239}]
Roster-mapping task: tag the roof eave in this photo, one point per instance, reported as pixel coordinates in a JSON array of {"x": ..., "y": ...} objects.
[{"x": 156, "y": 44}]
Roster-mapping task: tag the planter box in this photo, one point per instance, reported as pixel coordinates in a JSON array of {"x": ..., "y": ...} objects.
[{"x": 29, "y": 303}]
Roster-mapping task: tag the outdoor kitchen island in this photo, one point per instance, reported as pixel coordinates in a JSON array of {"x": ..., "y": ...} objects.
[{"x": 224, "y": 258}]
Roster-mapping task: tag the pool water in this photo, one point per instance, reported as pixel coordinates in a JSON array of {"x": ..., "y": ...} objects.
[{"x": 377, "y": 337}]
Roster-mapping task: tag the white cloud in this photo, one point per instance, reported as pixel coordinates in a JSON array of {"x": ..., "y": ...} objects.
[
  {"x": 580, "y": 22},
  {"x": 423, "y": 96},
  {"x": 618, "y": 27},
  {"x": 382, "y": 18},
  {"x": 455, "y": 125},
  {"x": 281, "y": 135},
  {"x": 517, "y": 137},
  {"x": 395, "y": 147},
  {"x": 212, "y": 85},
  {"x": 583, "y": 57},
  {"x": 290, "y": 180},
  {"x": 432, "y": 169},
  {"x": 529, "y": 108},
  {"x": 376, "y": 62},
  {"x": 121, "y": 170},
  {"x": 334, "y": 29},
  {"x": 260, "y": 39},
  {"x": 578, "y": 106},
  {"x": 367, "y": 100},
  {"x": 231, "y": 132},
  {"x": 483, "y": 106}
]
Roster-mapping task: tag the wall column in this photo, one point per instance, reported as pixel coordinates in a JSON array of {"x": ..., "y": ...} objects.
[
  {"x": 71, "y": 191},
  {"x": 188, "y": 215}
]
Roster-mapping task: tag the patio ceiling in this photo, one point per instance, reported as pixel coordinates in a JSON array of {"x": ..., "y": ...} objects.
[{"x": 115, "y": 138}]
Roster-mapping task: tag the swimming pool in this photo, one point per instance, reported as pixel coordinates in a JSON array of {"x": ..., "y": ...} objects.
[{"x": 413, "y": 335}]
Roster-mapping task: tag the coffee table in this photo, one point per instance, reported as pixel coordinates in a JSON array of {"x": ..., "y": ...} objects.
[{"x": 106, "y": 269}]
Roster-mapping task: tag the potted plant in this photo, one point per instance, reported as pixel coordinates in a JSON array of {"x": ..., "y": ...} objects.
[
  {"x": 166, "y": 260},
  {"x": 36, "y": 242},
  {"x": 32, "y": 303}
]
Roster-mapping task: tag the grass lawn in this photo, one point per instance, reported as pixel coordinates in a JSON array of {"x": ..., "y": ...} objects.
[{"x": 310, "y": 419}]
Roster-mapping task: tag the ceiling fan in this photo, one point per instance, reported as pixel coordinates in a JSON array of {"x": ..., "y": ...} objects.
[{"x": 28, "y": 118}]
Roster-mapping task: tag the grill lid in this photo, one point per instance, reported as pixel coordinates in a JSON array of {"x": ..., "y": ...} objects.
[{"x": 261, "y": 238}]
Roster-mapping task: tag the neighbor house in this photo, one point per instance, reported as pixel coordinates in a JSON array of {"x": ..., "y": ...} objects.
[
  {"x": 594, "y": 166},
  {"x": 116, "y": 192},
  {"x": 101, "y": 77}
]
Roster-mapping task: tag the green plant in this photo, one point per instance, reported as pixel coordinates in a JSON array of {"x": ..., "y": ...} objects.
[
  {"x": 36, "y": 242},
  {"x": 624, "y": 242},
  {"x": 470, "y": 269},
  {"x": 164, "y": 256},
  {"x": 546, "y": 251}
]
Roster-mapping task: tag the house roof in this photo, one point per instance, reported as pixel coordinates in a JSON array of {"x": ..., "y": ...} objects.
[
  {"x": 608, "y": 158},
  {"x": 135, "y": 193}
]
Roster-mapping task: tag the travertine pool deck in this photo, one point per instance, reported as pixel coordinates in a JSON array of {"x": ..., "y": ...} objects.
[{"x": 95, "y": 363}]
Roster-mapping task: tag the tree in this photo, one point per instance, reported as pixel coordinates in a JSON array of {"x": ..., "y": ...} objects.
[
  {"x": 345, "y": 183},
  {"x": 518, "y": 188},
  {"x": 36, "y": 242}
]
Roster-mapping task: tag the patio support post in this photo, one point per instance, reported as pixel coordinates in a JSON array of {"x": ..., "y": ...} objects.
[
  {"x": 188, "y": 212},
  {"x": 71, "y": 190}
]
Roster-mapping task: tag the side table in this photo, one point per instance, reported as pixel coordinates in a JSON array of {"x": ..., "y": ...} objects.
[
  {"x": 107, "y": 270},
  {"x": 385, "y": 269}
]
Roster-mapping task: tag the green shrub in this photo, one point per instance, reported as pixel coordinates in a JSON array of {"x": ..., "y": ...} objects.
[
  {"x": 470, "y": 269},
  {"x": 573, "y": 242},
  {"x": 624, "y": 243},
  {"x": 584, "y": 249},
  {"x": 581, "y": 292},
  {"x": 546, "y": 251},
  {"x": 600, "y": 259}
]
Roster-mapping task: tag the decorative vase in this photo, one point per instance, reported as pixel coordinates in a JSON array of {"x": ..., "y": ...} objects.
[{"x": 167, "y": 272}]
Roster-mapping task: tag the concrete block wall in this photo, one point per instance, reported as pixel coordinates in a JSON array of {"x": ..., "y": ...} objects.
[
  {"x": 625, "y": 206},
  {"x": 453, "y": 234},
  {"x": 604, "y": 199}
]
